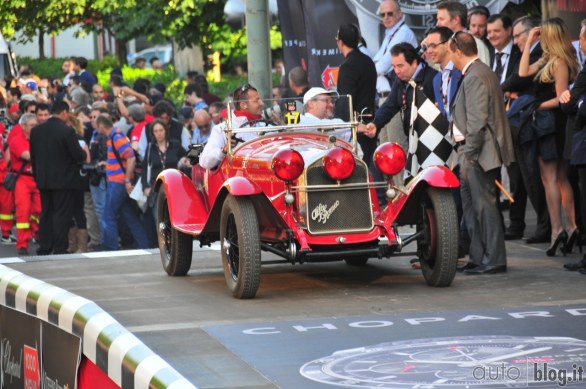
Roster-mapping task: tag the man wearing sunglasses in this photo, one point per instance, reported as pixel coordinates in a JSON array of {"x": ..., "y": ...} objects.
[
  {"x": 248, "y": 107},
  {"x": 202, "y": 122},
  {"x": 396, "y": 31},
  {"x": 483, "y": 143}
]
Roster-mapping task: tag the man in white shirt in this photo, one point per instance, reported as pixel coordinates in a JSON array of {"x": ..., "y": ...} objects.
[
  {"x": 396, "y": 32},
  {"x": 318, "y": 107}
]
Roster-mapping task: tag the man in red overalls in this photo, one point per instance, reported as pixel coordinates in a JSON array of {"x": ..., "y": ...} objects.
[
  {"x": 26, "y": 194},
  {"x": 6, "y": 198}
]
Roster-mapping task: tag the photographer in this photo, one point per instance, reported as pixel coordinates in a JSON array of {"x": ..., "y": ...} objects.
[{"x": 97, "y": 170}]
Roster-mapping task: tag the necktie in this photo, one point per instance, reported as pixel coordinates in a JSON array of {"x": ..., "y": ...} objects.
[{"x": 499, "y": 65}]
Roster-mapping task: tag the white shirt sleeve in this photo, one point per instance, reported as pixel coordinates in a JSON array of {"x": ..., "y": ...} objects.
[{"x": 212, "y": 154}]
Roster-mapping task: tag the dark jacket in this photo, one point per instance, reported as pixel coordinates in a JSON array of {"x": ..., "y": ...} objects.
[
  {"x": 171, "y": 157},
  {"x": 456, "y": 76},
  {"x": 512, "y": 65},
  {"x": 522, "y": 85},
  {"x": 56, "y": 155},
  {"x": 394, "y": 102},
  {"x": 356, "y": 77}
]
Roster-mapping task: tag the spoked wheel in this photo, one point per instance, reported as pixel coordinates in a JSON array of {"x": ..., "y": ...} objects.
[
  {"x": 176, "y": 247},
  {"x": 356, "y": 261},
  {"x": 438, "y": 247},
  {"x": 240, "y": 241}
]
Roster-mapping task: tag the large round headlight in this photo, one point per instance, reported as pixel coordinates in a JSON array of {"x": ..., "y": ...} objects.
[
  {"x": 390, "y": 158},
  {"x": 339, "y": 163},
  {"x": 287, "y": 164}
]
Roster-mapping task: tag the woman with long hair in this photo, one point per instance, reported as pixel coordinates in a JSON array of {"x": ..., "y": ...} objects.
[
  {"x": 162, "y": 153},
  {"x": 78, "y": 235},
  {"x": 553, "y": 72}
]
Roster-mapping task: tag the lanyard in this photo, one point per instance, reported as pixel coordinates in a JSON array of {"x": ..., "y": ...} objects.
[
  {"x": 392, "y": 36},
  {"x": 447, "y": 89},
  {"x": 163, "y": 156}
]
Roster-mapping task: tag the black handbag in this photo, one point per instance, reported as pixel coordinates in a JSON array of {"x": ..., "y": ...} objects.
[{"x": 9, "y": 182}]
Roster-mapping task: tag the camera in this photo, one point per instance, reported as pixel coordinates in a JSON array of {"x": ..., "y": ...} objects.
[
  {"x": 2, "y": 111},
  {"x": 272, "y": 113},
  {"x": 93, "y": 168}
]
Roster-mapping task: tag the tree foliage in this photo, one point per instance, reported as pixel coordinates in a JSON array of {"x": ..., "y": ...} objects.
[{"x": 186, "y": 22}]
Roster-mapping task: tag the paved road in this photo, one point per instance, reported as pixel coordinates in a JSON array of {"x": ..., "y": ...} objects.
[{"x": 216, "y": 341}]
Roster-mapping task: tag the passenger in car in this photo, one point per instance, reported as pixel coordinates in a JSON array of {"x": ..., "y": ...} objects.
[
  {"x": 248, "y": 108},
  {"x": 318, "y": 107}
]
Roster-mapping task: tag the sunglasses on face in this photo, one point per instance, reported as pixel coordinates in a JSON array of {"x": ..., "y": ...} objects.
[{"x": 386, "y": 14}]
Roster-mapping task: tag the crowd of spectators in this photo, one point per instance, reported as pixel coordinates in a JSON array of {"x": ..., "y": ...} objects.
[{"x": 135, "y": 125}]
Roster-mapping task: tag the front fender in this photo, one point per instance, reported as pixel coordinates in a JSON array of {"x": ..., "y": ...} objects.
[
  {"x": 436, "y": 176},
  {"x": 403, "y": 208},
  {"x": 241, "y": 186},
  {"x": 187, "y": 207}
]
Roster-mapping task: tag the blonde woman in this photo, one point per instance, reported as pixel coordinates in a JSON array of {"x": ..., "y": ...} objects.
[
  {"x": 78, "y": 235},
  {"x": 553, "y": 72}
]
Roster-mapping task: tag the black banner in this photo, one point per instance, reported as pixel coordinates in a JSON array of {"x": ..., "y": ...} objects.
[
  {"x": 35, "y": 354},
  {"x": 308, "y": 28}
]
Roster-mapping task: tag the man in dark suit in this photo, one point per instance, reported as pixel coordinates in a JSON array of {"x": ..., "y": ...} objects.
[
  {"x": 408, "y": 66},
  {"x": 483, "y": 139},
  {"x": 573, "y": 103},
  {"x": 55, "y": 158},
  {"x": 530, "y": 180},
  {"x": 356, "y": 77},
  {"x": 504, "y": 60}
]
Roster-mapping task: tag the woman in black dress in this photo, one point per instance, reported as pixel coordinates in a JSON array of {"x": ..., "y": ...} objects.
[{"x": 553, "y": 72}]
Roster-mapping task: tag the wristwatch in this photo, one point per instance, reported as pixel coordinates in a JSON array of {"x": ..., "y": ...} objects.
[{"x": 474, "y": 361}]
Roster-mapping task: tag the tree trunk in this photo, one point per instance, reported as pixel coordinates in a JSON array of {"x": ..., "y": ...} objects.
[
  {"x": 41, "y": 44},
  {"x": 121, "y": 51}
]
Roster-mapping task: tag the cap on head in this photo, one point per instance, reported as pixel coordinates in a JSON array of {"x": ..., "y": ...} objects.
[{"x": 313, "y": 92}]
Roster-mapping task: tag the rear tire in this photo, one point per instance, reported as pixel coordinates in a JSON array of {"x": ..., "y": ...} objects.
[
  {"x": 175, "y": 246},
  {"x": 438, "y": 249},
  {"x": 240, "y": 241}
]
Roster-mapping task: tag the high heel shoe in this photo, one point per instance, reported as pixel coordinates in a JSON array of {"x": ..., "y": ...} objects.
[
  {"x": 561, "y": 239},
  {"x": 574, "y": 239}
]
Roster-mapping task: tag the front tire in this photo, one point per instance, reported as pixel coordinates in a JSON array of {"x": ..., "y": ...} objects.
[
  {"x": 176, "y": 247},
  {"x": 240, "y": 241},
  {"x": 438, "y": 248}
]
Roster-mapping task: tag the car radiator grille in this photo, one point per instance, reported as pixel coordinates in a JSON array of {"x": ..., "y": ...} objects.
[{"x": 338, "y": 210}]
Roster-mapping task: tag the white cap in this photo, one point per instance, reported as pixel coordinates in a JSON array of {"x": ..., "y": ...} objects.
[{"x": 315, "y": 91}]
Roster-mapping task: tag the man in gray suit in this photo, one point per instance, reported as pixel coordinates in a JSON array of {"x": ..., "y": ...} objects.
[{"x": 483, "y": 142}]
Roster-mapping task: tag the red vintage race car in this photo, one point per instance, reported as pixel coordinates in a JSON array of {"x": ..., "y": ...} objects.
[{"x": 302, "y": 193}]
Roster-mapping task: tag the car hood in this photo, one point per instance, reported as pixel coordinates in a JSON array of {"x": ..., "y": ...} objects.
[{"x": 309, "y": 144}]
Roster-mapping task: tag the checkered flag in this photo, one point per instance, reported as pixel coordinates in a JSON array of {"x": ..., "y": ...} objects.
[{"x": 430, "y": 142}]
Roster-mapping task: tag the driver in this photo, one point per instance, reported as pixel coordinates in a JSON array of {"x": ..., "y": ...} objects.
[{"x": 248, "y": 107}]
